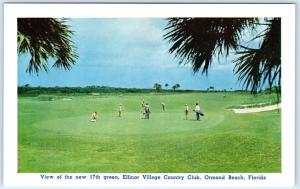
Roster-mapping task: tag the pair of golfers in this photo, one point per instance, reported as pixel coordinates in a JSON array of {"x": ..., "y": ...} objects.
[{"x": 197, "y": 110}]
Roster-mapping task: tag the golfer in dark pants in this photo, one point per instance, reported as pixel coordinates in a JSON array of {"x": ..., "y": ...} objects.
[
  {"x": 197, "y": 110},
  {"x": 147, "y": 111}
]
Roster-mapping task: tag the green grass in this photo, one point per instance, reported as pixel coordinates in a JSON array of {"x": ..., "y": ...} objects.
[{"x": 56, "y": 135}]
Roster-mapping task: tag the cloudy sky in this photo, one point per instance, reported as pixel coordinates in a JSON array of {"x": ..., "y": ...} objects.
[{"x": 127, "y": 53}]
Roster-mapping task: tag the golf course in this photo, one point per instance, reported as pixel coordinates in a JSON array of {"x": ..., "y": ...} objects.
[
  {"x": 55, "y": 134},
  {"x": 125, "y": 95}
]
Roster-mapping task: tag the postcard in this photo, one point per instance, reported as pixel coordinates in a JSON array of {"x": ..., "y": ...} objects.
[{"x": 149, "y": 95}]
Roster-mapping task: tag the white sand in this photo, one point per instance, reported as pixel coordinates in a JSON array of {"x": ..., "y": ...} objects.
[
  {"x": 257, "y": 109},
  {"x": 66, "y": 99}
]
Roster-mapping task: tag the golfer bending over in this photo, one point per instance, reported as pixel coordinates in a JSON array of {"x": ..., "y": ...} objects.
[{"x": 94, "y": 117}]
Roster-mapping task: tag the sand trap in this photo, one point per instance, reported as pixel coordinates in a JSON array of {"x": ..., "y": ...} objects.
[
  {"x": 257, "y": 109},
  {"x": 66, "y": 99}
]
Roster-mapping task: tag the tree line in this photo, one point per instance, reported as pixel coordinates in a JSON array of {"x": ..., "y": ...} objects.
[
  {"x": 94, "y": 90},
  {"x": 98, "y": 90}
]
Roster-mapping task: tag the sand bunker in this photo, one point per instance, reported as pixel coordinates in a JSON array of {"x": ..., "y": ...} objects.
[
  {"x": 95, "y": 94},
  {"x": 66, "y": 99},
  {"x": 257, "y": 109}
]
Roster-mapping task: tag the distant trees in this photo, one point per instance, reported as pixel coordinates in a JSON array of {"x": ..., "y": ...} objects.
[
  {"x": 45, "y": 38},
  {"x": 157, "y": 87},
  {"x": 176, "y": 86},
  {"x": 166, "y": 85},
  {"x": 31, "y": 90},
  {"x": 210, "y": 88}
]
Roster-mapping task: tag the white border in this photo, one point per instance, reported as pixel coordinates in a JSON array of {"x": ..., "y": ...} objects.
[{"x": 13, "y": 11}]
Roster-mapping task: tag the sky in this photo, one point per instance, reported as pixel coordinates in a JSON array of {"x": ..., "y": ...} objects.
[{"x": 127, "y": 52}]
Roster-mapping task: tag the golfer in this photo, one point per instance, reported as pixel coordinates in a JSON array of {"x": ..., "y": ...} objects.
[
  {"x": 94, "y": 117},
  {"x": 120, "y": 110},
  {"x": 143, "y": 103},
  {"x": 143, "y": 109},
  {"x": 197, "y": 111},
  {"x": 163, "y": 105},
  {"x": 147, "y": 111},
  {"x": 186, "y": 111}
]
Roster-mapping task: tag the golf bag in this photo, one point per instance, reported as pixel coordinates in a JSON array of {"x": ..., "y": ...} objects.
[{"x": 201, "y": 113}]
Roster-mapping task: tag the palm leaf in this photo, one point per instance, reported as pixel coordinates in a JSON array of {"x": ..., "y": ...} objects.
[
  {"x": 262, "y": 66},
  {"x": 45, "y": 38},
  {"x": 198, "y": 40}
]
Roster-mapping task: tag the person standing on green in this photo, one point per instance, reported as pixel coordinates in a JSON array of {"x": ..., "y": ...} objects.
[
  {"x": 120, "y": 110},
  {"x": 197, "y": 111},
  {"x": 163, "y": 105},
  {"x": 186, "y": 111},
  {"x": 147, "y": 111}
]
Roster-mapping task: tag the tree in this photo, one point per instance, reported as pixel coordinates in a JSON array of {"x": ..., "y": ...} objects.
[
  {"x": 199, "y": 40},
  {"x": 211, "y": 88},
  {"x": 166, "y": 85},
  {"x": 45, "y": 38},
  {"x": 157, "y": 87},
  {"x": 176, "y": 86}
]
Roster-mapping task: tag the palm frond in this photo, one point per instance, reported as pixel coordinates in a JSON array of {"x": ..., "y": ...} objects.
[
  {"x": 45, "y": 38},
  {"x": 198, "y": 40},
  {"x": 258, "y": 67}
]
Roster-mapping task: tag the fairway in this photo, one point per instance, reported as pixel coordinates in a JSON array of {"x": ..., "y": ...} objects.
[{"x": 55, "y": 134}]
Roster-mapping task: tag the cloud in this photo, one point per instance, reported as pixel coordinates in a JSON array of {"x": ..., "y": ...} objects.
[
  {"x": 127, "y": 52},
  {"x": 129, "y": 30},
  {"x": 134, "y": 41}
]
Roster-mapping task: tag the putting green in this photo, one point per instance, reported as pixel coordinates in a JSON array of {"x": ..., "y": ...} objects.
[
  {"x": 56, "y": 135},
  {"x": 112, "y": 125}
]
